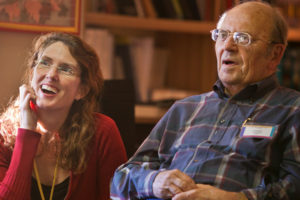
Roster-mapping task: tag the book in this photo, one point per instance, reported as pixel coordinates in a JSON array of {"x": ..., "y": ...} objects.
[
  {"x": 149, "y": 8},
  {"x": 118, "y": 72},
  {"x": 177, "y": 8},
  {"x": 123, "y": 55},
  {"x": 209, "y": 10},
  {"x": 99, "y": 6},
  {"x": 169, "y": 9},
  {"x": 142, "y": 51},
  {"x": 218, "y": 9},
  {"x": 189, "y": 9},
  {"x": 109, "y": 6},
  {"x": 126, "y": 7},
  {"x": 160, "y": 8},
  {"x": 159, "y": 68},
  {"x": 94, "y": 5},
  {"x": 139, "y": 8},
  {"x": 103, "y": 43},
  {"x": 137, "y": 59},
  {"x": 229, "y": 4},
  {"x": 201, "y": 8}
]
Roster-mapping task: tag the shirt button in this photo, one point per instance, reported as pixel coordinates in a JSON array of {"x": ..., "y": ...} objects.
[{"x": 222, "y": 121}]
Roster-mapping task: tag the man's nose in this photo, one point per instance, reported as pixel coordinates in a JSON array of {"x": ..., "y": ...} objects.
[{"x": 229, "y": 43}]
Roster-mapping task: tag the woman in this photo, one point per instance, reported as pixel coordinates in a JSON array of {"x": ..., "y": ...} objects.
[{"x": 53, "y": 145}]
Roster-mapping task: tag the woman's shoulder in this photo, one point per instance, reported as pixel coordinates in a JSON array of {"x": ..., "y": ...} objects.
[
  {"x": 104, "y": 123},
  {"x": 99, "y": 117},
  {"x": 106, "y": 130}
]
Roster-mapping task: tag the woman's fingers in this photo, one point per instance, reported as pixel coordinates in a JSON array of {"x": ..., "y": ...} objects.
[
  {"x": 28, "y": 118},
  {"x": 26, "y": 94}
]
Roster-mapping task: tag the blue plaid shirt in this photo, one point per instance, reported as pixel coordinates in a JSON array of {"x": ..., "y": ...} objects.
[{"x": 204, "y": 137}]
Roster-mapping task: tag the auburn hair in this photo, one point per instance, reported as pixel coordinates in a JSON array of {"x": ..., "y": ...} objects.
[{"x": 78, "y": 129}]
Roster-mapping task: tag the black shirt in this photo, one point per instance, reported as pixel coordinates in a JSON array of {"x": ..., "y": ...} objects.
[{"x": 60, "y": 190}]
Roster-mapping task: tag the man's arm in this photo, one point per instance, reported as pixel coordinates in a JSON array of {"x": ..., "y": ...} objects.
[
  {"x": 134, "y": 179},
  {"x": 145, "y": 174}
]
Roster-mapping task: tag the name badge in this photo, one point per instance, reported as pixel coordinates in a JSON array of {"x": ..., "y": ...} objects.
[{"x": 258, "y": 131}]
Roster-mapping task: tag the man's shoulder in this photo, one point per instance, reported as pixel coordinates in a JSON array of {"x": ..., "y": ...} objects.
[
  {"x": 197, "y": 98},
  {"x": 189, "y": 104},
  {"x": 287, "y": 96}
]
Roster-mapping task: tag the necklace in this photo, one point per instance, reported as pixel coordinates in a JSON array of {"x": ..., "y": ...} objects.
[{"x": 39, "y": 182}]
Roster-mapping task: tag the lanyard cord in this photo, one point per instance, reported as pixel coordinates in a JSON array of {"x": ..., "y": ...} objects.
[{"x": 39, "y": 183}]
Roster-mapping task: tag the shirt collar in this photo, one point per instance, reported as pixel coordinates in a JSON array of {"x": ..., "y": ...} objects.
[{"x": 251, "y": 92}]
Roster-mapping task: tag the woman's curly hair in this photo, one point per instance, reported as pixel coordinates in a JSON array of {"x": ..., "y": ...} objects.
[{"x": 78, "y": 130}]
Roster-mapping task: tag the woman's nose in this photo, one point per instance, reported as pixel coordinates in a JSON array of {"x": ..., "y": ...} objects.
[{"x": 52, "y": 73}]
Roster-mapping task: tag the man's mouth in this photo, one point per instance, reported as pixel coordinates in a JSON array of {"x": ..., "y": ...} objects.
[
  {"x": 48, "y": 89},
  {"x": 228, "y": 62}
]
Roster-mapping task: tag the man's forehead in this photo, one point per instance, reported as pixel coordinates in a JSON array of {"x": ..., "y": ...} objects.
[
  {"x": 242, "y": 19},
  {"x": 234, "y": 21}
]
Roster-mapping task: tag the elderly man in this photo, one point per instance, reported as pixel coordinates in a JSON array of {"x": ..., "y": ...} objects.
[{"x": 239, "y": 141}]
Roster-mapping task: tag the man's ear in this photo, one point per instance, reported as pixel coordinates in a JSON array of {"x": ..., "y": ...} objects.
[
  {"x": 82, "y": 92},
  {"x": 276, "y": 55}
]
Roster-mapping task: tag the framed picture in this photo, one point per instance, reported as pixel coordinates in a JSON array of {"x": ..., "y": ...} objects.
[{"x": 40, "y": 15}]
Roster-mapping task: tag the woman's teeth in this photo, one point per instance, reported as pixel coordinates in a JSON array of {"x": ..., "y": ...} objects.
[{"x": 49, "y": 89}]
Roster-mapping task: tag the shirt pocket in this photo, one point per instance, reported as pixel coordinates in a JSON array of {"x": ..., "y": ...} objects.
[{"x": 253, "y": 145}]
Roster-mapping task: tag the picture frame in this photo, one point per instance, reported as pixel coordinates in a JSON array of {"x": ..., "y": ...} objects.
[{"x": 41, "y": 15}]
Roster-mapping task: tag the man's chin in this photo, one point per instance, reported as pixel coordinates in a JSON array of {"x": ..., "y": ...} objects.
[{"x": 229, "y": 80}]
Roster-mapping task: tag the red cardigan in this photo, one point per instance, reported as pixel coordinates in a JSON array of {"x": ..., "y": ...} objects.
[{"x": 107, "y": 154}]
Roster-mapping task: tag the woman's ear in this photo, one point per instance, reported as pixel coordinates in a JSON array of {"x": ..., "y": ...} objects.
[{"x": 82, "y": 92}]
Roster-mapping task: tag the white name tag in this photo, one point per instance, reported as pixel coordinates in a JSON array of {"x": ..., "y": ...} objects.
[{"x": 257, "y": 131}]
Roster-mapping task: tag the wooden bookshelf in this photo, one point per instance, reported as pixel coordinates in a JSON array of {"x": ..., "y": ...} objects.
[
  {"x": 148, "y": 24},
  {"x": 193, "y": 66},
  {"x": 188, "y": 41},
  {"x": 156, "y": 24}
]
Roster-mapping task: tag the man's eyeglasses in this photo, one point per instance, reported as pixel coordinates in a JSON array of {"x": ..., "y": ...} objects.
[{"x": 240, "y": 38}]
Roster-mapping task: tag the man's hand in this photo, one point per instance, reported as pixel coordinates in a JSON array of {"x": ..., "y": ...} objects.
[
  {"x": 171, "y": 182},
  {"x": 207, "y": 192}
]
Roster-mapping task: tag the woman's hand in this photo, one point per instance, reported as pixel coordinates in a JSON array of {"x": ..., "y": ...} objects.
[{"x": 28, "y": 116}]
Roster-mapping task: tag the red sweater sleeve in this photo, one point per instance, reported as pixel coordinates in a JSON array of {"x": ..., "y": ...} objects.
[
  {"x": 16, "y": 173},
  {"x": 112, "y": 154}
]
